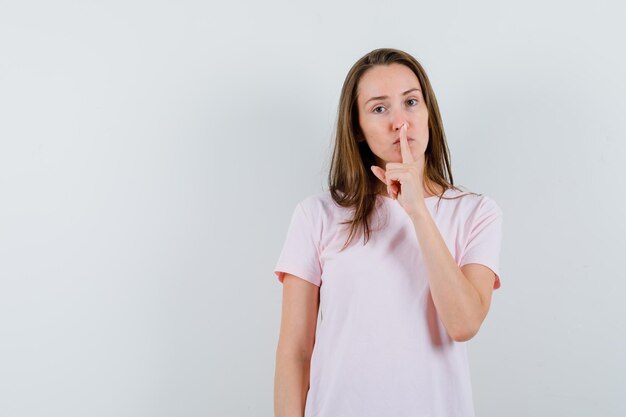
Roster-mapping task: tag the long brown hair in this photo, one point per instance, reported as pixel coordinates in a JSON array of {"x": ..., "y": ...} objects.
[{"x": 351, "y": 182}]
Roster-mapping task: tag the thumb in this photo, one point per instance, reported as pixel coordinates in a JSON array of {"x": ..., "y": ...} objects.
[{"x": 379, "y": 172}]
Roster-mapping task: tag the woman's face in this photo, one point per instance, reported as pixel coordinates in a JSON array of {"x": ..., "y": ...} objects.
[{"x": 387, "y": 97}]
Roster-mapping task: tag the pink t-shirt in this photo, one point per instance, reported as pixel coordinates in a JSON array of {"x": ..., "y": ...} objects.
[{"x": 380, "y": 349}]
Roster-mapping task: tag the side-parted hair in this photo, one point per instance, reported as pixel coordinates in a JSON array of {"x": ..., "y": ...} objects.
[{"x": 352, "y": 183}]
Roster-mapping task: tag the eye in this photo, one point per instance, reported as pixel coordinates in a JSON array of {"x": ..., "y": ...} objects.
[
  {"x": 377, "y": 107},
  {"x": 412, "y": 99}
]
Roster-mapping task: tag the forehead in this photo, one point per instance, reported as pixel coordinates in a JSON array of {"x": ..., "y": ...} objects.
[{"x": 386, "y": 80}]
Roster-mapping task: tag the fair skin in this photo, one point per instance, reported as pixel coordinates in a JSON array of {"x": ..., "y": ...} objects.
[
  {"x": 461, "y": 296},
  {"x": 387, "y": 97},
  {"x": 295, "y": 345},
  {"x": 394, "y": 121}
]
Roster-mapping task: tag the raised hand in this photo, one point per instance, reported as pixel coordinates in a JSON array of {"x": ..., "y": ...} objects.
[{"x": 404, "y": 180}]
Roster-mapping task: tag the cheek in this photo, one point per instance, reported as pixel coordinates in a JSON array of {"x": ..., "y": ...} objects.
[
  {"x": 374, "y": 133},
  {"x": 423, "y": 123},
  {"x": 425, "y": 129}
]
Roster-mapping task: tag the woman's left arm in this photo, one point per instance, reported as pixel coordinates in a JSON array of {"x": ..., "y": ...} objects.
[{"x": 461, "y": 295}]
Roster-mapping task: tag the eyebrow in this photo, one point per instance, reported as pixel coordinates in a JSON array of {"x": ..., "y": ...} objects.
[{"x": 383, "y": 97}]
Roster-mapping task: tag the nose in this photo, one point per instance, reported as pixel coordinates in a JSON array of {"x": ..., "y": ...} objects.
[
  {"x": 398, "y": 120},
  {"x": 397, "y": 127}
]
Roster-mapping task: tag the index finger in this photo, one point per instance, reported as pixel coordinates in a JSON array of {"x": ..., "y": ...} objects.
[{"x": 407, "y": 156}]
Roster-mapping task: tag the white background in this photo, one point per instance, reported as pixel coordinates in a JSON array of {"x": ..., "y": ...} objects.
[{"x": 151, "y": 155}]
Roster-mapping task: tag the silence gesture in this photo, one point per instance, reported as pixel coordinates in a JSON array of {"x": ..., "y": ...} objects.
[{"x": 404, "y": 179}]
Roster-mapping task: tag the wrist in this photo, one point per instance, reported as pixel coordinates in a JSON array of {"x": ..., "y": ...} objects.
[{"x": 419, "y": 213}]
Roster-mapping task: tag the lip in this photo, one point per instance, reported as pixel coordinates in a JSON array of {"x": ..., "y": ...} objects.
[{"x": 398, "y": 140}]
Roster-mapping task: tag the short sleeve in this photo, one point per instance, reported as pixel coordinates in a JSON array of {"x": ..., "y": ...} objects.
[
  {"x": 300, "y": 252},
  {"x": 485, "y": 238}
]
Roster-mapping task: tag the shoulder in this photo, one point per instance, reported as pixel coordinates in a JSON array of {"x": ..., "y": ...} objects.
[
  {"x": 469, "y": 205},
  {"x": 485, "y": 205},
  {"x": 322, "y": 212},
  {"x": 315, "y": 199},
  {"x": 472, "y": 201},
  {"x": 319, "y": 204}
]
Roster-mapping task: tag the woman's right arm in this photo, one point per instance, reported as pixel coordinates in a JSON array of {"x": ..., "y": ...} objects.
[{"x": 295, "y": 346}]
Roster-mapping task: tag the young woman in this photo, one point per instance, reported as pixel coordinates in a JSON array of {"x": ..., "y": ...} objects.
[{"x": 395, "y": 307}]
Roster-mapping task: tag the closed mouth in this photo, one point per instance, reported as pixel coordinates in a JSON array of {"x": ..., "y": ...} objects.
[{"x": 398, "y": 140}]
